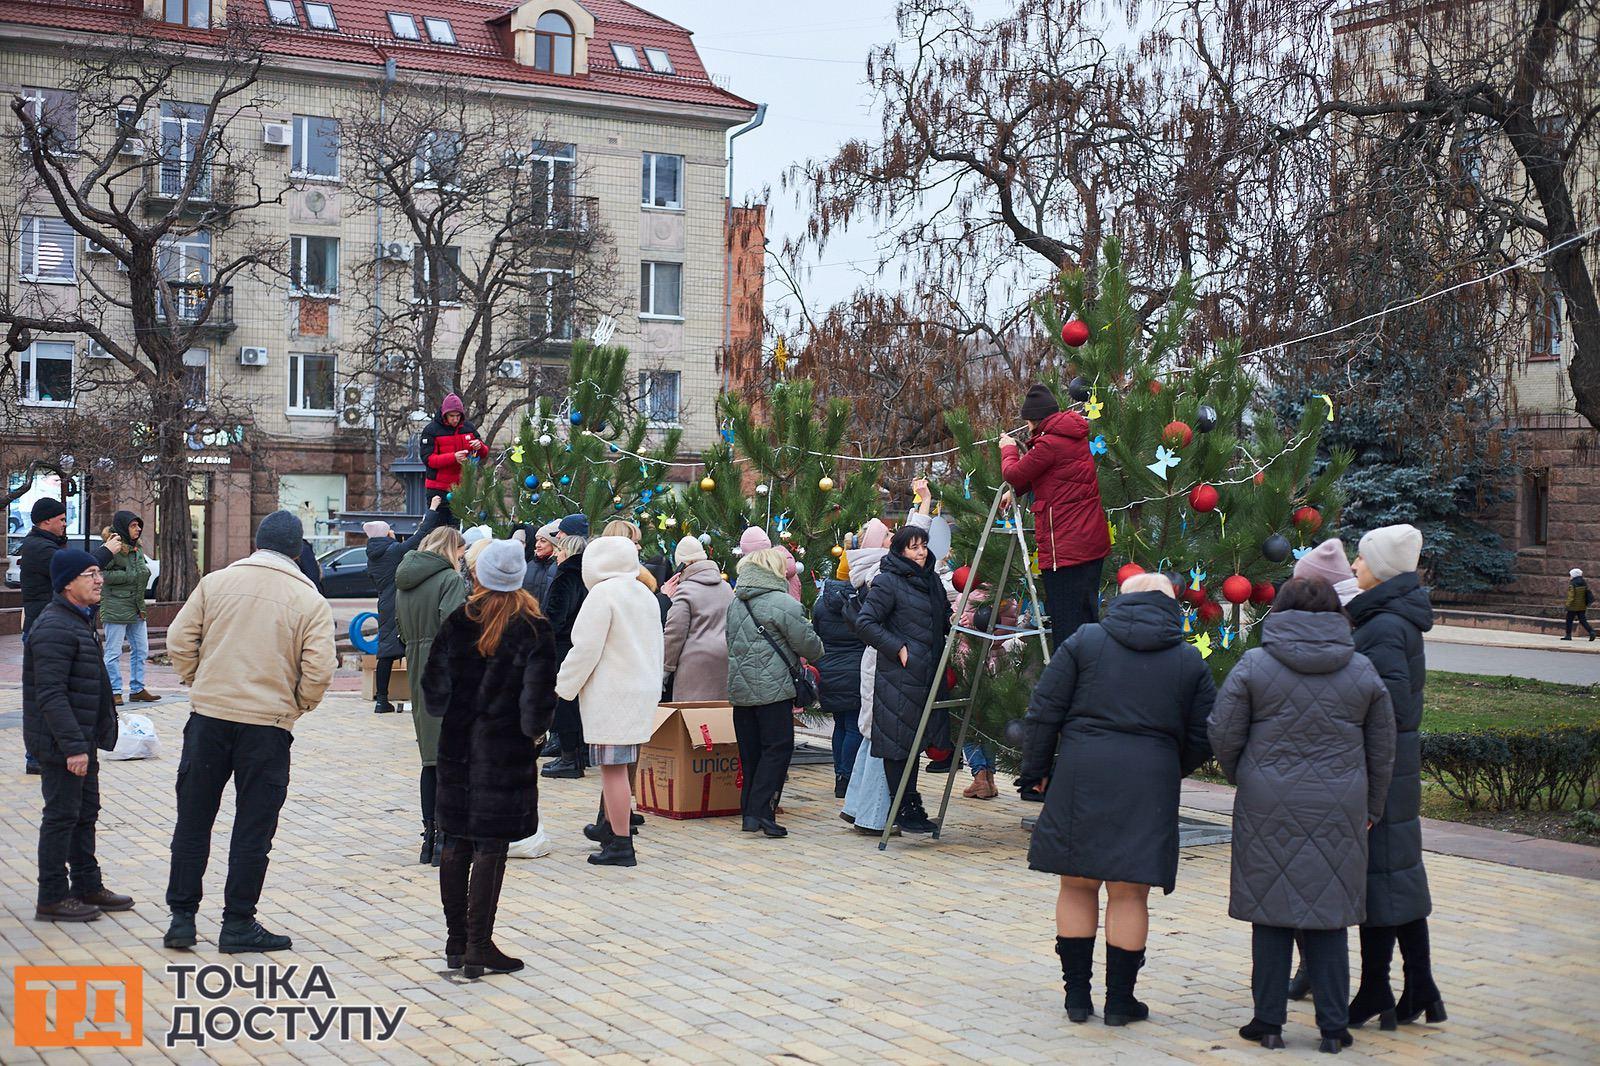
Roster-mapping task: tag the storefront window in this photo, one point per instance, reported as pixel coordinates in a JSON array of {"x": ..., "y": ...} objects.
[{"x": 316, "y": 498}]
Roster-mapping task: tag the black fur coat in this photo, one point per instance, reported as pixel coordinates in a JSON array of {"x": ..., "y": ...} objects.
[{"x": 494, "y": 711}]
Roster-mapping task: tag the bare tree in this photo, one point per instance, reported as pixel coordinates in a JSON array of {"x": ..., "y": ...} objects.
[{"x": 162, "y": 193}]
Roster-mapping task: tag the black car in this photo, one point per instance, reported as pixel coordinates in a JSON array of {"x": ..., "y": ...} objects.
[{"x": 344, "y": 574}]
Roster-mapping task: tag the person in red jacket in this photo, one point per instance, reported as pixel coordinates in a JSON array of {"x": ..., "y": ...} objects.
[
  {"x": 448, "y": 442},
  {"x": 1068, "y": 520}
]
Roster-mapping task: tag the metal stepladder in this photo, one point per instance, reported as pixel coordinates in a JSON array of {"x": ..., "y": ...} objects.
[{"x": 1016, "y": 538}]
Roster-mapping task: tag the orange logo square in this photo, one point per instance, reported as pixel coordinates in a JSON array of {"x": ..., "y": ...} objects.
[{"x": 79, "y": 1006}]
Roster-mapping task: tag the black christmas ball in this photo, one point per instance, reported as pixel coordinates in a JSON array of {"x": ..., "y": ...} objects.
[
  {"x": 1205, "y": 419},
  {"x": 1015, "y": 732},
  {"x": 1078, "y": 389},
  {"x": 1275, "y": 548},
  {"x": 1179, "y": 582}
]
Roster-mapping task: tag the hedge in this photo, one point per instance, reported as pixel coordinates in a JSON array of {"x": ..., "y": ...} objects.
[{"x": 1524, "y": 770}]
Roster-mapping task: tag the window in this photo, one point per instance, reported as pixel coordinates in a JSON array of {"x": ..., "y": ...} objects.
[
  {"x": 49, "y": 251},
  {"x": 553, "y": 181},
  {"x": 658, "y": 397},
  {"x": 196, "y": 363},
  {"x": 404, "y": 26},
  {"x": 1535, "y": 508},
  {"x": 1546, "y": 315},
  {"x": 440, "y": 30},
  {"x": 314, "y": 265},
  {"x": 627, "y": 58},
  {"x": 281, "y": 12},
  {"x": 661, "y": 290},
  {"x": 56, "y": 113},
  {"x": 438, "y": 158},
  {"x": 660, "y": 62},
  {"x": 320, "y": 16},
  {"x": 552, "y": 305},
  {"x": 311, "y": 384},
  {"x": 182, "y": 136},
  {"x": 316, "y": 147},
  {"x": 552, "y": 44},
  {"x": 185, "y": 263},
  {"x": 663, "y": 180},
  {"x": 44, "y": 374},
  {"x": 196, "y": 13},
  {"x": 422, "y": 282}
]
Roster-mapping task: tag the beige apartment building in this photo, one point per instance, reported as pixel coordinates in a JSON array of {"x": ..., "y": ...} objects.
[{"x": 632, "y": 131}]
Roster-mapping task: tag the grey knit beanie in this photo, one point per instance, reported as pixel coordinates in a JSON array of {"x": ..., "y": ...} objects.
[
  {"x": 281, "y": 532},
  {"x": 502, "y": 564}
]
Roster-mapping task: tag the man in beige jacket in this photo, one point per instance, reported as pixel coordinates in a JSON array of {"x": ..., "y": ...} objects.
[{"x": 255, "y": 644}]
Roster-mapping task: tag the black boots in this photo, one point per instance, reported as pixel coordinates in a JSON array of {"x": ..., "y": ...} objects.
[
  {"x": 841, "y": 785},
  {"x": 180, "y": 934},
  {"x": 425, "y": 856},
  {"x": 616, "y": 851},
  {"x": 567, "y": 766},
  {"x": 1299, "y": 984},
  {"x": 1421, "y": 995},
  {"x": 1259, "y": 1032},
  {"x": 771, "y": 828},
  {"x": 1374, "y": 998},
  {"x": 1077, "y": 970},
  {"x": 383, "y": 707},
  {"x": 454, "y": 872},
  {"x": 1334, "y": 1041},
  {"x": 913, "y": 818},
  {"x": 483, "y": 899},
  {"x": 237, "y": 937},
  {"x": 439, "y": 842},
  {"x": 1122, "y": 972}
]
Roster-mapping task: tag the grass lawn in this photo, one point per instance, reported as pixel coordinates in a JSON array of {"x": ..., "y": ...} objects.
[{"x": 1454, "y": 703}]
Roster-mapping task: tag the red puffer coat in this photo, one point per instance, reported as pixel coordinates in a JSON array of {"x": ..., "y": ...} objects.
[
  {"x": 1068, "y": 520},
  {"x": 438, "y": 448}
]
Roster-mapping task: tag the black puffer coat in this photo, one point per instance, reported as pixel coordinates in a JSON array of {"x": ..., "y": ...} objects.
[
  {"x": 383, "y": 559},
  {"x": 906, "y": 608},
  {"x": 33, "y": 561},
  {"x": 66, "y": 695},
  {"x": 561, "y": 605},
  {"x": 840, "y": 667},
  {"x": 1125, "y": 701},
  {"x": 540, "y": 573},
  {"x": 1390, "y": 619},
  {"x": 493, "y": 710}
]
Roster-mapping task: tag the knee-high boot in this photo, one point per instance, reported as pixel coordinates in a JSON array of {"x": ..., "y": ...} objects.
[
  {"x": 483, "y": 898},
  {"x": 1374, "y": 998},
  {"x": 1077, "y": 972},
  {"x": 1421, "y": 995},
  {"x": 454, "y": 872}
]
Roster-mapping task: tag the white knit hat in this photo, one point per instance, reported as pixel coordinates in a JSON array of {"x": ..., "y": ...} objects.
[
  {"x": 1574, "y": 572},
  {"x": 502, "y": 564},
  {"x": 689, "y": 550},
  {"x": 1390, "y": 551},
  {"x": 477, "y": 533},
  {"x": 548, "y": 531},
  {"x": 375, "y": 529}
]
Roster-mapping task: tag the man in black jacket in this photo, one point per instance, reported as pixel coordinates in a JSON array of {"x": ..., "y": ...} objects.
[
  {"x": 66, "y": 713},
  {"x": 48, "y": 536},
  {"x": 384, "y": 552}
]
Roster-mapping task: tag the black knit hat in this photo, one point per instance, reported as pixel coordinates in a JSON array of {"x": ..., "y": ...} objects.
[
  {"x": 1040, "y": 403},
  {"x": 46, "y": 508}
]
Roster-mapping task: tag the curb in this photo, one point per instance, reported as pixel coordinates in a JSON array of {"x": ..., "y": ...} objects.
[{"x": 1558, "y": 645}]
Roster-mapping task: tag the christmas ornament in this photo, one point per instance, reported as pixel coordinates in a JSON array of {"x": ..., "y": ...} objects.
[
  {"x": 826, "y": 484},
  {"x": 1202, "y": 643},
  {"x": 1074, "y": 333},
  {"x": 516, "y": 454},
  {"x": 1192, "y": 596},
  {"x": 705, "y": 538},
  {"x": 545, "y": 440},
  {"x": 1227, "y": 637},
  {"x": 530, "y": 481},
  {"x": 1155, "y": 387},
  {"x": 449, "y": 496},
  {"x": 1203, "y": 498},
  {"x": 547, "y": 485},
  {"x": 1260, "y": 477},
  {"x": 1275, "y": 548},
  {"x": 1329, "y": 401},
  {"x": 1164, "y": 463},
  {"x": 1262, "y": 593},
  {"x": 1015, "y": 733},
  {"x": 800, "y": 551},
  {"x": 1205, "y": 419},
  {"x": 1210, "y": 612},
  {"x": 566, "y": 479},
  {"x": 617, "y": 500},
  {"x": 1078, "y": 389},
  {"x": 1237, "y": 589},
  {"x": 533, "y": 497},
  {"x": 784, "y": 534},
  {"x": 1094, "y": 408},
  {"x": 669, "y": 521},
  {"x": 1300, "y": 553},
  {"x": 836, "y": 551},
  {"x": 707, "y": 483},
  {"x": 600, "y": 426},
  {"x": 576, "y": 418},
  {"x": 1178, "y": 434},
  {"x": 1308, "y": 519},
  {"x": 761, "y": 490},
  {"x": 1098, "y": 445},
  {"x": 1197, "y": 579},
  {"x": 1127, "y": 571},
  {"x": 611, "y": 447}
]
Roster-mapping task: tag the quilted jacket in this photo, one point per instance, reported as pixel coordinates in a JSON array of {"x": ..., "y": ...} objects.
[
  {"x": 66, "y": 696},
  {"x": 697, "y": 634},
  {"x": 905, "y": 608},
  {"x": 840, "y": 691},
  {"x": 756, "y": 674},
  {"x": 1068, "y": 519},
  {"x": 1304, "y": 727}
]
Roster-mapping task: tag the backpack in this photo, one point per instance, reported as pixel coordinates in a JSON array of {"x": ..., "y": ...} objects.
[{"x": 1579, "y": 597}]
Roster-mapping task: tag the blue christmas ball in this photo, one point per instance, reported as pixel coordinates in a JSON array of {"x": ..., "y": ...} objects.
[
  {"x": 661, "y": 488},
  {"x": 533, "y": 497},
  {"x": 449, "y": 496},
  {"x": 483, "y": 515},
  {"x": 530, "y": 481},
  {"x": 566, "y": 479},
  {"x": 577, "y": 418},
  {"x": 600, "y": 426}
]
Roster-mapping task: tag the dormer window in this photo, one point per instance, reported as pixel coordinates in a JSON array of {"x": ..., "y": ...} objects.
[
  {"x": 404, "y": 26},
  {"x": 281, "y": 12},
  {"x": 660, "y": 62},
  {"x": 439, "y": 30},
  {"x": 627, "y": 58},
  {"x": 552, "y": 44},
  {"x": 320, "y": 16}
]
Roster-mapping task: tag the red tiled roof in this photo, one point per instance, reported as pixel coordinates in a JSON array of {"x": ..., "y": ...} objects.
[{"x": 484, "y": 48}]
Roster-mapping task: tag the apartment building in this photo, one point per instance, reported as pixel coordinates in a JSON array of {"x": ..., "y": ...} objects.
[{"x": 632, "y": 128}]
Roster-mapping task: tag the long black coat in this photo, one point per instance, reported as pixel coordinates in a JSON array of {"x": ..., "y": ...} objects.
[
  {"x": 561, "y": 605},
  {"x": 906, "y": 608},
  {"x": 840, "y": 665},
  {"x": 33, "y": 561},
  {"x": 1390, "y": 619},
  {"x": 383, "y": 559},
  {"x": 66, "y": 695},
  {"x": 493, "y": 710},
  {"x": 1124, "y": 701}
]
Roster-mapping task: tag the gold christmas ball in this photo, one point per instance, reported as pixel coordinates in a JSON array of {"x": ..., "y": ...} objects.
[
  {"x": 548, "y": 485},
  {"x": 708, "y": 483},
  {"x": 837, "y": 550},
  {"x": 826, "y": 484},
  {"x": 724, "y": 575}
]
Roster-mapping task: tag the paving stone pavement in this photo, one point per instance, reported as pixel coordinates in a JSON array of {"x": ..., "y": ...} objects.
[{"x": 729, "y": 947}]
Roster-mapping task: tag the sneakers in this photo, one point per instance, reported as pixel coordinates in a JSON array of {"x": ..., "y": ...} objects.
[
  {"x": 567, "y": 767},
  {"x": 982, "y": 786},
  {"x": 107, "y": 900},
  {"x": 250, "y": 936},
  {"x": 180, "y": 933},
  {"x": 913, "y": 819},
  {"x": 942, "y": 766},
  {"x": 66, "y": 910},
  {"x": 144, "y": 695}
]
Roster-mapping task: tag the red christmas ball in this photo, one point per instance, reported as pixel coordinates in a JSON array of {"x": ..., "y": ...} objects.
[
  {"x": 1178, "y": 434},
  {"x": 1075, "y": 333},
  {"x": 1237, "y": 589},
  {"x": 1130, "y": 570},
  {"x": 1191, "y": 595},
  {"x": 1155, "y": 387},
  {"x": 1204, "y": 498},
  {"x": 1308, "y": 519},
  {"x": 1262, "y": 593},
  {"x": 1260, "y": 478},
  {"x": 1210, "y": 613}
]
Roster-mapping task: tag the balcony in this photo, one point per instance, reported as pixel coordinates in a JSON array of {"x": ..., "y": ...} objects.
[
  {"x": 190, "y": 298},
  {"x": 570, "y": 219},
  {"x": 164, "y": 181}
]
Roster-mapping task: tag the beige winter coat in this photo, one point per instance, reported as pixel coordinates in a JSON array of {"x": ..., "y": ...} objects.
[
  {"x": 614, "y": 667},
  {"x": 697, "y": 634},
  {"x": 255, "y": 643}
]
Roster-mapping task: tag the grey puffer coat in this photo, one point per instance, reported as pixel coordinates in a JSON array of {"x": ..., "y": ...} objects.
[
  {"x": 1390, "y": 619},
  {"x": 696, "y": 635},
  {"x": 906, "y": 608},
  {"x": 383, "y": 559},
  {"x": 757, "y": 675},
  {"x": 1124, "y": 702},
  {"x": 1304, "y": 727}
]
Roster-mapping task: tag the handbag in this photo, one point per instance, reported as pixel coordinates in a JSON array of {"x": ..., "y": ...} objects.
[{"x": 805, "y": 689}]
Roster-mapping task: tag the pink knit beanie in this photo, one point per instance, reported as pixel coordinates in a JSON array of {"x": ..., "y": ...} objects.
[
  {"x": 1326, "y": 561},
  {"x": 753, "y": 539}
]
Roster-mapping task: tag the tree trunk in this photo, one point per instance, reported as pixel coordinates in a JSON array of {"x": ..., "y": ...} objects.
[{"x": 180, "y": 571}]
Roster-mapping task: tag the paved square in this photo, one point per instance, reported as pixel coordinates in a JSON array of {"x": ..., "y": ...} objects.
[{"x": 725, "y": 946}]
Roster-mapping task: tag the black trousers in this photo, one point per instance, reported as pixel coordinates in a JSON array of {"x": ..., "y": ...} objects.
[
  {"x": 1071, "y": 597},
  {"x": 66, "y": 831},
  {"x": 1581, "y": 618},
  {"x": 766, "y": 743},
  {"x": 567, "y": 725},
  {"x": 894, "y": 769},
  {"x": 380, "y": 677},
  {"x": 256, "y": 757},
  {"x": 1326, "y": 955}
]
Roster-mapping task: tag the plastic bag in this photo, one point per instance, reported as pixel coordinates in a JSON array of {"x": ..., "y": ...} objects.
[
  {"x": 136, "y": 738},
  {"x": 534, "y": 847}
]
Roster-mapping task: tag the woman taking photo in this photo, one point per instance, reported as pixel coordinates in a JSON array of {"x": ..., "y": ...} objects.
[
  {"x": 768, "y": 635},
  {"x": 428, "y": 588},
  {"x": 1304, "y": 727},
  {"x": 491, "y": 681},
  {"x": 1124, "y": 700}
]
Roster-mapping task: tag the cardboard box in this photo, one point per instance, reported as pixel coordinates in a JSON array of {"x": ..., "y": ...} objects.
[
  {"x": 690, "y": 767},
  {"x": 399, "y": 680}
]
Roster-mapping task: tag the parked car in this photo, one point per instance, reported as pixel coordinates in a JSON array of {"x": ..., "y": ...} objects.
[
  {"x": 344, "y": 574},
  {"x": 14, "y": 570}
]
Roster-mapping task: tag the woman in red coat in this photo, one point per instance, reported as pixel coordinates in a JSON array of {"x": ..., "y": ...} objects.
[
  {"x": 1068, "y": 521},
  {"x": 448, "y": 442}
]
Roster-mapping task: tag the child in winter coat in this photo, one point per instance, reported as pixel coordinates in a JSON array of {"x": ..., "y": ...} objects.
[{"x": 1579, "y": 597}]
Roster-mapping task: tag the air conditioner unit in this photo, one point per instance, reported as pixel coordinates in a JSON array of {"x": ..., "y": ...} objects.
[
  {"x": 515, "y": 157},
  {"x": 356, "y": 407},
  {"x": 511, "y": 368},
  {"x": 252, "y": 357},
  {"x": 134, "y": 123},
  {"x": 94, "y": 248},
  {"x": 97, "y": 351},
  {"x": 277, "y": 134},
  {"x": 393, "y": 362},
  {"x": 398, "y": 251}
]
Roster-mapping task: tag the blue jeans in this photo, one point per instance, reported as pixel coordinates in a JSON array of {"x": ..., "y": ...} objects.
[
  {"x": 137, "y": 635},
  {"x": 978, "y": 757},
  {"x": 846, "y": 741}
]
